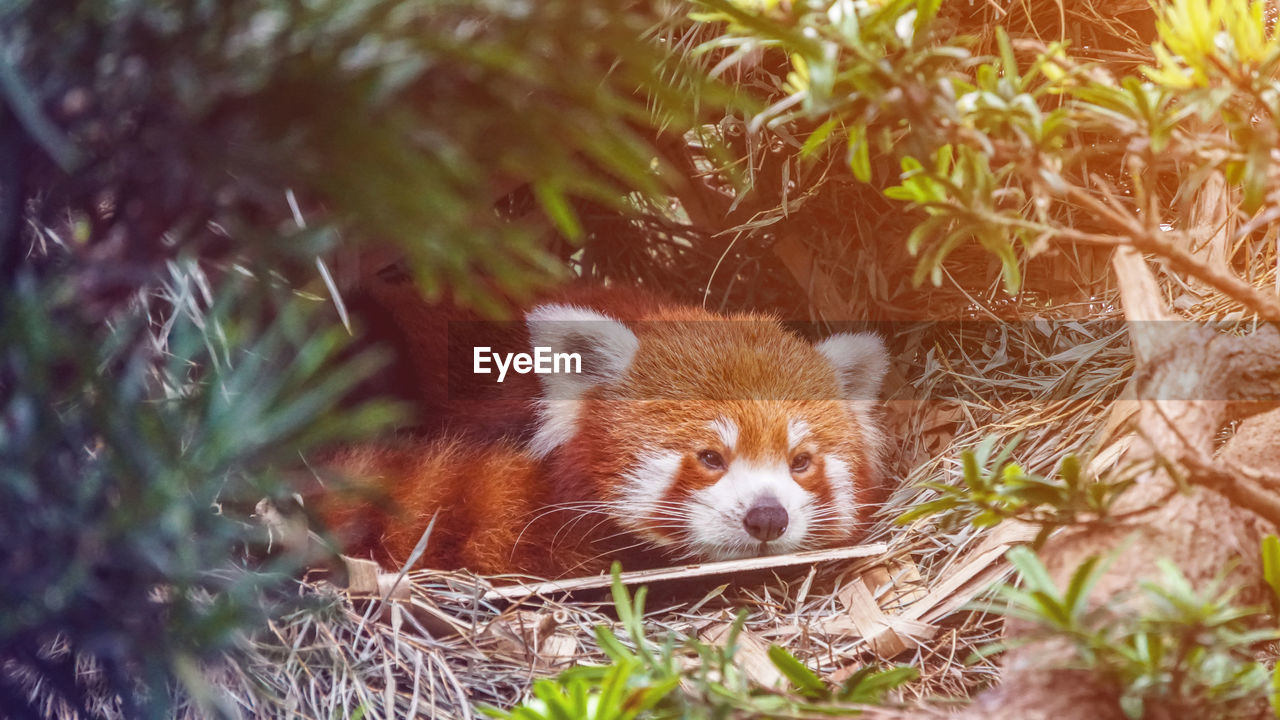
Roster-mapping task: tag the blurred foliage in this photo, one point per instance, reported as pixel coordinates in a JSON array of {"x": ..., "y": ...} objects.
[
  {"x": 131, "y": 458},
  {"x": 647, "y": 680},
  {"x": 437, "y": 126},
  {"x": 393, "y": 121},
  {"x": 1018, "y": 145},
  {"x": 146, "y": 406},
  {"x": 1191, "y": 653},
  {"x": 133, "y": 133}
]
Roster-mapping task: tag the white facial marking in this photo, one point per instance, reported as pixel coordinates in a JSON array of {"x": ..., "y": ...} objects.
[
  {"x": 715, "y": 528},
  {"x": 797, "y": 431},
  {"x": 727, "y": 430},
  {"x": 841, "y": 482},
  {"x": 557, "y": 422},
  {"x": 641, "y": 493}
]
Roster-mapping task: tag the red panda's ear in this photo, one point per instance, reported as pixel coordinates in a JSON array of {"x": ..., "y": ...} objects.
[
  {"x": 605, "y": 345},
  {"x": 860, "y": 361},
  {"x": 605, "y": 348}
]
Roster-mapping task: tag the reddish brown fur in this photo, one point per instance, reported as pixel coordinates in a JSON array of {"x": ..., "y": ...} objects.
[
  {"x": 494, "y": 501},
  {"x": 653, "y": 407},
  {"x": 483, "y": 497},
  {"x": 492, "y": 509}
]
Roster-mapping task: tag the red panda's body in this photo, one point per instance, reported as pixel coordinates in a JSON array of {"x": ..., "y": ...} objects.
[
  {"x": 481, "y": 495},
  {"x": 687, "y": 436}
]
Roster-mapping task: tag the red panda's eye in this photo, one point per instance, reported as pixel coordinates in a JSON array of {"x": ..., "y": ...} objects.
[
  {"x": 800, "y": 463},
  {"x": 712, "y": 459}
]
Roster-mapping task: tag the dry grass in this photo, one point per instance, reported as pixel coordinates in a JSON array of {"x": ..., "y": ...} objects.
[
  {"x": 971, "y": 363},
  {"x": 1048, "y": 378}
]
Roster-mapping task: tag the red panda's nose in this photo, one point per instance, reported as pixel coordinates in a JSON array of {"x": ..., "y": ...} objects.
[{"x": 766, "y": 520}]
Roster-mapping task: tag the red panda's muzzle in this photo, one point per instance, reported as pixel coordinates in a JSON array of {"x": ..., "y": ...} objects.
[
  {"x": 766, "y": 520},
  {"x": 741, "y": 508}
]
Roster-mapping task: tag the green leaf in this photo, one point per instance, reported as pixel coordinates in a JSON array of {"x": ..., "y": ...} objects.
[
  {"x": 1132, "y": 706},
  {"x": 869, "y": 688},
  {"x": 819, "y": 136},
  {"x": 859, "y": 153},
  {"x": 1256, "y": 166},
  {"x": 611, "y": 692},
  {"x": 559, "y": 705},
  {"x": 987, "y": 519},
  {"x": 1033, "y": 572},
  {"x": 804, "y": 680},
  {"x": 851, "y": 685},
  {"x": 972, "y": 471},
  {"x": 1009, "y": 265},
  {"x": 612, "y": 646},
  {"x": 922, "y": 232},
  {"x": 558, "y": 210},
  {"x": 1069, "y": 470},
  {"x": 1007, "y": 58},
  {"x": 1274, "y": 695},
  {"x": 1271, "y": 565},
  {"x": 644, "y": 700},
  {"x": 926, "y": 509},
  {"x": 621, "y": 597},
  {"x": 1082, "y": 581},
  {"x": 926, "y": 11}
]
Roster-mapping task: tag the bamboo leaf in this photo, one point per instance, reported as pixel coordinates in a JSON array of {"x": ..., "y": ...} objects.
[{"x": 805, "y": 681}]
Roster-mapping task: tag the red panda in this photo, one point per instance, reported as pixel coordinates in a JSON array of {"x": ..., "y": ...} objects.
[{"x": 686, "y": 436}]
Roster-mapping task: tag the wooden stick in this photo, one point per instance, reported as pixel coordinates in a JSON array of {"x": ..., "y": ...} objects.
[{"x": 648, "y": 577}]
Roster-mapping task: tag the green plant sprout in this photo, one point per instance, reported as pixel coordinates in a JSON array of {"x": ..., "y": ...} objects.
[
  {"x": 644, "y": 679},
  {"x": 1192, "y": 653},
  {"x": 995, "y": 490}
]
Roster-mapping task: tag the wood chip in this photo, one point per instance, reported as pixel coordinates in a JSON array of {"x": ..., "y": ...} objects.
[
  {"x": 896, "y": 584},
  {"x": 955, "y": 590},
  {"x": 891, "y": 607},
  {"x": 751, "y": 657},
  {"x": 362, "y": 576},
  {"x": 887, "y": 635},
  {"x": 532, "y": 635}
]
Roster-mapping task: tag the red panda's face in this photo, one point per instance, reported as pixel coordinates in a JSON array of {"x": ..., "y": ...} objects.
[
  {"x": 715, "y": 438},
  {"x": 749, "y": 477}
]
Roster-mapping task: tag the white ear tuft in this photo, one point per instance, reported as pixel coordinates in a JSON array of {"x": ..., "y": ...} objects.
[
  {"x": 860, "y": 361},
  {"x": 605, "y": 347}
]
